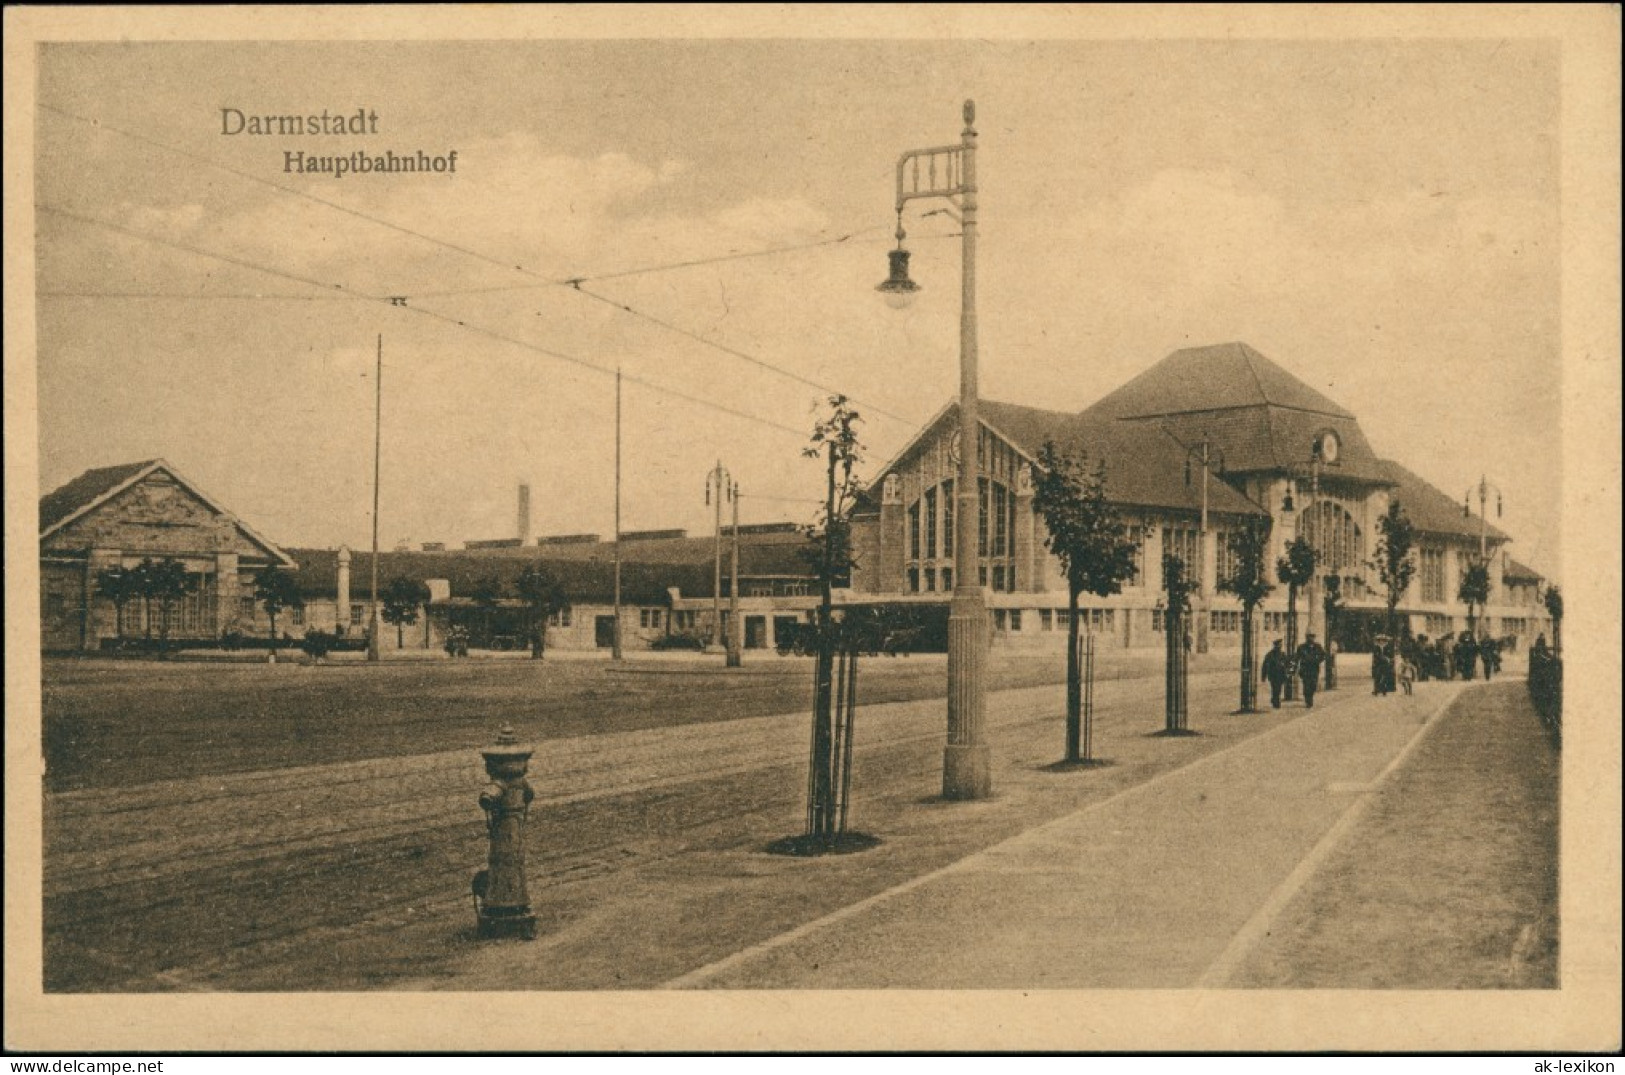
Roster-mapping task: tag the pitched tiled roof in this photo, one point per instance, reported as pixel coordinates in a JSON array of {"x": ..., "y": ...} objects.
[
  {"x": 1278, "y": 439},
  {"x": 583, "y": 581},
  {"x": 61, "y": 507},
  {"x": 1432, "y": 511},
  {"x": 1026, "y": 427},
  {"x": 86, "y": 488},
  {"x": 759, "y": 554},
  {"x": 1145, "y": 464},
  {"x": 1145, "y": 467},
  {"x": 1516, "y": 572},
  {"x": 1213, "y": 378}
]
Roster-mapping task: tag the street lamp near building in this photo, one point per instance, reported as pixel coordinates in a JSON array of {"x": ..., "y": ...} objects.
[
  {"x": 1203, "y": 454},
  {"x": 720, "y": 483},
  {"x": 1484, "y": 488},
  {"x": 949, "y": 173}
]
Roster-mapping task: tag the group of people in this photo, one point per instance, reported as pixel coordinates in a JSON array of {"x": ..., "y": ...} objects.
[
  {"x": 457, "y": 641},
  {"x": 1305, "y": 663},
  {"x": 1392, "y": 666},
  {"x": 1395, "y": 665},
  {"x": 1453, "y": 656}
]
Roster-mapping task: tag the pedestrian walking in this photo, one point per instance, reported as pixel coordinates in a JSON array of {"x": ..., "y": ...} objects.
[
  {"x": 1466, "y": 656},
  {"x": 1379, "y": 665},
  {"x": 1275, "y": 673},
  {"x": 1309, "y": 659},
  {"x": 1489, "y": 652},
  {"x": 1407, "y": 673}
]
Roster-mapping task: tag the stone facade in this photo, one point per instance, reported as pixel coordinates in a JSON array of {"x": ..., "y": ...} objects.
[{"x": 149, "y": 513}]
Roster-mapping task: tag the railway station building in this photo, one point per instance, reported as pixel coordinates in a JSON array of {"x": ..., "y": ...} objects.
[{"x": 1217, "y": 432}]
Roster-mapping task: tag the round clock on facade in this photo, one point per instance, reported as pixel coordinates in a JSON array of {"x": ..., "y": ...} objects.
[
  {"x": 953, "y": 447},
  {"x": 1326, "y": 446}
]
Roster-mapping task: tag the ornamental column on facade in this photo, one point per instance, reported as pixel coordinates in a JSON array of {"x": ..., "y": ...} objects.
[
  {"x": 101, "y": 617},
  {"x": 227, "y": 589},
  {"x": 1029, "y": 573},
  {"x": 890, "y": 574}
]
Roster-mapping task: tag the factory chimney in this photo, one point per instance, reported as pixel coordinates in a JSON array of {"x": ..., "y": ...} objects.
[{"x": 524, "y": 514}]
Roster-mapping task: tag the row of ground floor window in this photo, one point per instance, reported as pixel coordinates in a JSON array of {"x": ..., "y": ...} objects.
[
  {"x": 768, "y": 624},
  {"x": 1229, "y": 621}
]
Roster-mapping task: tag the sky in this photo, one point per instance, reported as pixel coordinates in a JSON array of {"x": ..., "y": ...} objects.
[{"x": 1379, "y": 217}]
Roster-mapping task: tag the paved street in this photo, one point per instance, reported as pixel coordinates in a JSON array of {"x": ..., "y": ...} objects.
[{"x": 647, "y": 862}]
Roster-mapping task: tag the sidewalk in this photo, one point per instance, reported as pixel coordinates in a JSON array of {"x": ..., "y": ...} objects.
[{"x": 1163, "y": 885}]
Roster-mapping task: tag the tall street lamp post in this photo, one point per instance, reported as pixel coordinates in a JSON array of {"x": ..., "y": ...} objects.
[
  {"x": 720, "y": 482},
  {"x": 1484, "y": 488},
  {"x": 949, "y": 172},
  {"x": 1290, "y": 531},
  {"x": 374, "y": 650},
  {"x": 736, "y": 626},
  {"x": 1204, "y": 454}
]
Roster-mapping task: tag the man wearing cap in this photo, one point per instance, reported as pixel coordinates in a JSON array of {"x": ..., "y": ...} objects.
[
  {"x": 1310, "y": 657},
  {"x": 1276, "y": 672}
]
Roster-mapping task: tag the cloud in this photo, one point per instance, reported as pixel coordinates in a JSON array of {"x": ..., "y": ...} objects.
[
  {"x": 163, "y": 220},
  {"x": 515, "y": 203}
]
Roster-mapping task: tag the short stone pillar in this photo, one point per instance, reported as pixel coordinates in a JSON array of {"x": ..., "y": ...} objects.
[
  {"x": 341, "y": 598},
  {"x": 501, "y": 902}
]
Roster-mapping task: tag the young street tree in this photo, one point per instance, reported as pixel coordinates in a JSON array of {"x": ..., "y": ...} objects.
[
  {"x": 543, "y": 596},
  {"x": 402, "y": 597},
  {"x": 1097, "y": 556},
  {"x": 1474, "y": 592},
  {"x": 168, "y": 582},
  {"x": 1396, "y": 566},
  {"x": 1554, "y": 609},
  {"x": 835, "y": 439},
  {"x": 1249, "y": 581},
  {"x": 277, "y": 591},
  {"x": 487, "y": 592},
  {"x": 1295, "y": 569},
  {"x": 1177, "y": 640},
  {"x": 140, "y": 580},
  {"x": 1331, "y": 605},
  {"x": 119, "y": 585}
]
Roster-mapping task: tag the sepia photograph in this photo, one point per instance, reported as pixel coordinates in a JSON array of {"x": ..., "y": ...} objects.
[{"x": 812, "y": 528}]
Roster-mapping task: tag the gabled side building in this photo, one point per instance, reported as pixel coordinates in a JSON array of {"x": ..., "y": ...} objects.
[{"x": 118, "y": 516}]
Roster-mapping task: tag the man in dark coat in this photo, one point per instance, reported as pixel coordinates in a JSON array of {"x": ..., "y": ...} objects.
[
  {"x": 1466, "y": 655},
  {"x": 1275, "y": 672},
  {"x": 1310, "y": 657},
  {"x": 1380, "y": 668}
]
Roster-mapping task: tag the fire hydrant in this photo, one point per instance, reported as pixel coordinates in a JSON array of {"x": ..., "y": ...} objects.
[{"x": 501, "y": 903}]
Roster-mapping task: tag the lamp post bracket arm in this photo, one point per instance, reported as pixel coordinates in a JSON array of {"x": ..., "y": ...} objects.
[{"x": 937, "y": 172}]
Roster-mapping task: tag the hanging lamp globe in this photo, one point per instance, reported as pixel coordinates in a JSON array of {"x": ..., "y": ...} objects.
[{"x": 898, "y": 289}]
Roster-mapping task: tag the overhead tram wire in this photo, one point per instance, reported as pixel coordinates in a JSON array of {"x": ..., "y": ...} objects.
[
  {"x": 395, "y": 302},
  {"x": 188, "y": 296},
  {"x": 200, "y": 252},
  {"x": 743, "y": 356},
  {"x": 295, "y": 191},
  {"x": 543, "y": 281},
  {"x": 573, "y": 281}
]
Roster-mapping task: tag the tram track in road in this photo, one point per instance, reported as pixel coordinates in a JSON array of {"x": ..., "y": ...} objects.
[
  {"x": 92, "y": 844},
  {"x": 235, "y": 893}
]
